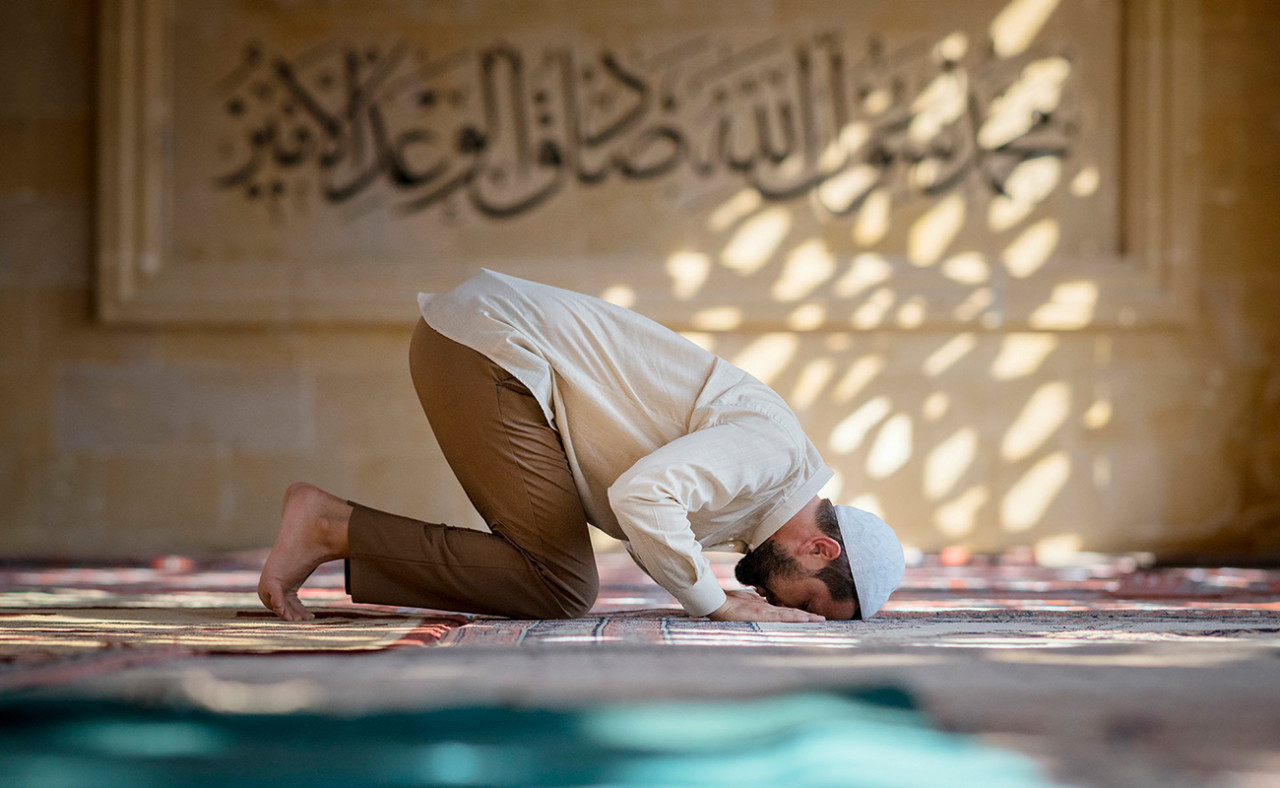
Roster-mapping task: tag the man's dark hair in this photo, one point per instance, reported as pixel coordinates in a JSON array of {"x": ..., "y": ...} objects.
[
  {"x": 836, "y": 575},
  {"x": 765, "y": 562},
  {"x": 769, "y": 560}
]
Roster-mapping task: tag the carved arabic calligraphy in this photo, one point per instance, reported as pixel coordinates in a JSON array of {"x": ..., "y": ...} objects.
[{"x": 503, "y": 128}]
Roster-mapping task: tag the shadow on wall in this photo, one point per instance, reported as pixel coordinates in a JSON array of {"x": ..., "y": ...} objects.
[{"x": 955, "y": 437}]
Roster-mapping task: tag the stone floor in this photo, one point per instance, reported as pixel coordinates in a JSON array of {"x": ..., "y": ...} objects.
[{"x": 1102, "y": 673}]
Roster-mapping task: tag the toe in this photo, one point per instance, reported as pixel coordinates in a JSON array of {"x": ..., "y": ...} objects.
[{"x": 296, "y": 610}]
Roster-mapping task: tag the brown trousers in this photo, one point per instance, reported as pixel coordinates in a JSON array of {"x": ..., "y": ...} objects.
[{"x": 537, "y": 562}]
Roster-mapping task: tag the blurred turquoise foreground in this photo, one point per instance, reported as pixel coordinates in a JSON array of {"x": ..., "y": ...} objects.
[{"x": 873, "y": 738}]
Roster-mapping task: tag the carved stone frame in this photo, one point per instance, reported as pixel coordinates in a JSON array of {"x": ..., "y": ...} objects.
[{"x": 1152, "y": 283}]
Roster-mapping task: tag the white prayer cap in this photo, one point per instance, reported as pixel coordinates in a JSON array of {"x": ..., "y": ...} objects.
[{"x": 875, "y": 557}]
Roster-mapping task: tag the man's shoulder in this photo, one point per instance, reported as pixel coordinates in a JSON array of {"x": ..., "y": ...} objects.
[{"x": 484, "y": 285}]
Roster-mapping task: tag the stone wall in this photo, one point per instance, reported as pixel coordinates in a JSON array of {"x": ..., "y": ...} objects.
[{"x": 126, "y": 440}]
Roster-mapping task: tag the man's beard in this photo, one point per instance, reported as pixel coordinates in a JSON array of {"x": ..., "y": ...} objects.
[{"x": 760, "y": 566}]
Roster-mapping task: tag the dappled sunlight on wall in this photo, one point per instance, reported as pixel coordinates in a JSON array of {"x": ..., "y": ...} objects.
[
  {"x": 688, "y": 272},
  {"x": 1043, "y": 413},
  {"x": 948, "y": 461},
  {"x": 1014, "y": 28},
  {"x": 756, "y": 240},
  {"x": 942, "y": 399},
  {"x": 988, "y": 444},
  {"x": 1027, "y": 499}
]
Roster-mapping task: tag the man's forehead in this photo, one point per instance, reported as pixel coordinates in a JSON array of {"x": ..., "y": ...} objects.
[{"x": 850, "y": 609}]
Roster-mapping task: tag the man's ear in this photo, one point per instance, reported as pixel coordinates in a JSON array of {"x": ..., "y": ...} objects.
[{"x": 826, "y": 547}]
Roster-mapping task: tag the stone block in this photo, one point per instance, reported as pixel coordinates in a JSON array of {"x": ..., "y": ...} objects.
[
  {"x": 370, "y": 411},
  {"x": 47, "y": 52},
  {"x": 325, "y": 349},
  {"x": 17, "y": 491},
  {"x": 259, "y": 410},
  {"x": 1134, "y": 506},
  {"x": 1030, "y": 501},
  {"x": 1202, "y": 486},
  {"x": 236, "y": 348},
  {"x": 67, "y": 331},
  {"x": 46, "y": 154},
  {"x": 19, "y": 326},
  {"x": 253, "y": 490},
  {"x": 25, "y": 396},
  {"x": 45, "y": 239},
  {"x": 415, "y": 484},
  {"x": 163, "y": 501},
  {"x": 68, "y": 503},
  {"x": 144, "y": 407},
  {"x": 114, "y": 409}
]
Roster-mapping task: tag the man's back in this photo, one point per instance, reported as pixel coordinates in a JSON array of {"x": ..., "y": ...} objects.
[
  {"x": 593, "y": 351},
  {"x": 625, "y": 393},
  {"x": 614, "y": 383}
]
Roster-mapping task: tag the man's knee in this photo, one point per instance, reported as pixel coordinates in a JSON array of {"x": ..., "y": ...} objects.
[
  {"x": 577, "y": 608},
  {"x": 573, "y": 599}
]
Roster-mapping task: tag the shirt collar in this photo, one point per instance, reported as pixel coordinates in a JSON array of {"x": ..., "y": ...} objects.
[{"x": 788, "y": 507}]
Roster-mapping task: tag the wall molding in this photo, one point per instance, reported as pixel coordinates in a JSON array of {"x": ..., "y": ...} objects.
[{"x": 1148, "y": 282}]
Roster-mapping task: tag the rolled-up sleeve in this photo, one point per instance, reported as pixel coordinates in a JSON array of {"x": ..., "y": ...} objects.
[{"x": 706, "y": 468}]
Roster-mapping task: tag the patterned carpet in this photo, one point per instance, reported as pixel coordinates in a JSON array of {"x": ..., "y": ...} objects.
[
  {"x": 60, "y": 624},
  {"x": 64, "y": 623}
]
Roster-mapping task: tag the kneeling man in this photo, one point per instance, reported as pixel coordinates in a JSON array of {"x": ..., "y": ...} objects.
[{"x": 556, "y": 411}]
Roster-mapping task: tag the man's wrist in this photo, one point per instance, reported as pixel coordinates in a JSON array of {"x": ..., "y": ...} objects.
[{"x": 704, "y": 597}]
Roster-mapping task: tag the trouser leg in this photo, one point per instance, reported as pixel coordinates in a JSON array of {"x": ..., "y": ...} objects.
[{"x": 537, "y": 562}]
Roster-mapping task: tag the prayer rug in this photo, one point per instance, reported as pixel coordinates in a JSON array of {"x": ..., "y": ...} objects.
[
  {"x": 208, "y": 631},
  {"x": 972, "y": 628},
  {"x": 1004, "y": 600},
  {"x": 60, "y": 624},
  {"x": 55, "y": 646}
]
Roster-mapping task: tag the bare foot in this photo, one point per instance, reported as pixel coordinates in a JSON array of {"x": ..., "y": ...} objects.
[{"x": 313, "y": 530}]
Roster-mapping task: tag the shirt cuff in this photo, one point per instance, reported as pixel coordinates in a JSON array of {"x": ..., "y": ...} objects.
[{"x": 703, "y": 597}]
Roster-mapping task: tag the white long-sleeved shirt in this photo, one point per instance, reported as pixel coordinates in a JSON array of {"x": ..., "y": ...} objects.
[{"x": 672, "y": 448}]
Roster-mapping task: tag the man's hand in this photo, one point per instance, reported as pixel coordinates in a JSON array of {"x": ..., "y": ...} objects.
[{"x": 746, "y": 606}]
